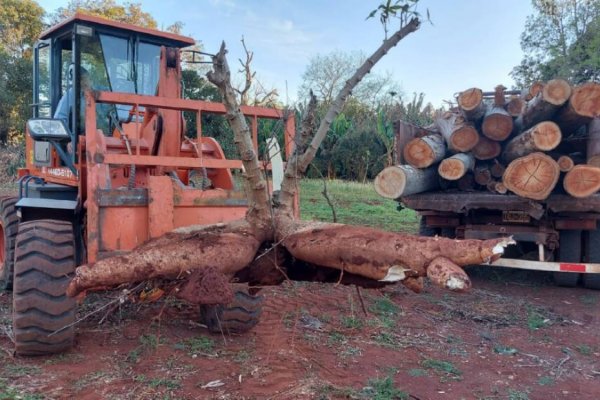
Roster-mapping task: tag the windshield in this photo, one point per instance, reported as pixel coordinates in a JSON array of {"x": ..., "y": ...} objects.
[{"x": 129, "y": 70}]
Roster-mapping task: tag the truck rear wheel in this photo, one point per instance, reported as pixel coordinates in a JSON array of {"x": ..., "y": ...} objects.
[
  {"x": 44, "y": 265},
  {"x": 569, "y": 250},
  {"x": 592, "y": 281},
  {"x": 239, "y": 316},
  {"x": 9, "y": 224}
]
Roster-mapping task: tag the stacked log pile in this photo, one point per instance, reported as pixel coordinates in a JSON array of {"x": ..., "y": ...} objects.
[{"x": 532, "y": 143}]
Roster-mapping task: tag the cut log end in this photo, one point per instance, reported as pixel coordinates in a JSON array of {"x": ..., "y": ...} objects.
[
  {"x": 546, "y": 136},
  {"x": 556, "y": 91},
  {"x": 464, "y": 138},
  {"x": 515, "y": 106},
  {"x": 497, "y": 126},
  {"x": 582, "y": 181},
  {"x": 594, "y": 161},
  {"x": 565, "y": 163},
  {"x": 586, "y": 100},
  {"x": 401, "y": 180},
  {"x": 533, "y": 176},
  {"x": 423, "y": 152},
  {"x": 486, "y": 149},
  {"x": 470, "y": 99},
  {"x": 452, "y": 169}
]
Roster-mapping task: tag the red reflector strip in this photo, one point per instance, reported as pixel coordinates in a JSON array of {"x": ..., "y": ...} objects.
[{"x": 572, "y": 267}]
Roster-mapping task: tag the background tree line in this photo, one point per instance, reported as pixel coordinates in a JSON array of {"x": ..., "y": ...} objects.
[{"x": 561, "y": 39}]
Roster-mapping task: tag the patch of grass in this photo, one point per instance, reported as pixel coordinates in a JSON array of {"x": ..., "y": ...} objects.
[
  {"x": 355, "y": 203},
  {"x": 384, "y": 306},
  {"x": 517, "y": 395},
  {"x": 328, "y": 392},
  {"x": 383, "y": 389},
  {"x": 350, "y": 352},
  {"x": 546, "y": 381},
  {"x": 89, "y": 379},
  {"x": 336, "y": 338},
  {"x": 352, "y": 323},
  {"x": 535, "y": 320},
  {"x": 17, "y": 371},
  {"x": 442, "y": 367},
  {"x": 505, "y": 350},
  {"x": 70, "y": 358},
  {"x": 199, "y": 345},
  {"x": 584, "y": 349},
  {"x": 9, "y": 393},
  {"x": 416, "y": 372},
  {"x": 242, "y": 356},
  {"x": 385, "y": 339}
]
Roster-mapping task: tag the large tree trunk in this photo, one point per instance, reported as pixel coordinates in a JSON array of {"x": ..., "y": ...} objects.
[
  {"x": 219, "y": 251},
  {"x": 533, "y": 176},
  {"x": 459, "y": 134},
  {"x": 582, "y": 181},
  {"x": 546, "y": 102},
  {"x": 583, "y": 106},
  {"x": 544, "y": 136},
  {"x": 471, "y": 104},
  {"x": 457, "y": 166},
  {"x": 425, "y": 151},
  {"x": 403, "y": 180}
]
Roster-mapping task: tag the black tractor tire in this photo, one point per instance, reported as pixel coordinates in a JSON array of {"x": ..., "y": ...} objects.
[
  {"x": 239, "y": 316},
  {"x": 569, "y": 250},
  {"x": 43, "y": 314},
  {"x": 9, "y": 226},
  {"x": 592, "y": 281}
]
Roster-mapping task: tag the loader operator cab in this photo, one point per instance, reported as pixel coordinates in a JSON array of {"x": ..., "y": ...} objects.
[{"x": 115, "y": 57}]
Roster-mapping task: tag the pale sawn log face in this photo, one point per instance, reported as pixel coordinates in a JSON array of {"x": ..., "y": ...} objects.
[
  {"x": 533, "y": 176},
  {"x": 582, "y": 180}
]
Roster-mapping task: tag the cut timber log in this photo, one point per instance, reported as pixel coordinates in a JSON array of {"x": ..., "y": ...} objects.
[
  {"x": 501, "y": 188},
  {"x": 545, "y": 104},
  {"x": 544, "y": 136},
  {"x": 593, "y": 143},
  {"x": 583, "y": 105},
  {"x": 533, "y": 176},
  {"x": 535, "y": 88},
  {"x": 497, "y": 124},
  {"x": 582, "y": 181},
  {"x": 565, "y": 163},
  {"x": 482, "y": 174},
  {"x": 405, "y": 133},
  {"x": 402, "y": 180},
  {"x": 486, "y": 149},
  {"x": 515, "y": 106},
  {"x": 455, "y": 167},
  {"x": 459, "y": 134},
  {"x": 497, "y": 169},
  {"x": 425, "y": 151},
  {"x": 471, "y": 104}
]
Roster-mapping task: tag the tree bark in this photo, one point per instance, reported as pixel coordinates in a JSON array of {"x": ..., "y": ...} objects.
[
  {"x": 582, "y": 181},
  {"x": 403, "y": 180},
  {"x": 497, "y": 169},
  {"x": 486, "y": 149},
  {"x": 425, "y": 151},
  {"x": 471, "y": 104},
  {"x": 457, "y": 166},
  {"x": 533, "y": 176},
  {"x": 460, "y": 135},
  {"x": 545, "y": 104},
  {"x": 583, "y": 106},
  {"x": 497, "y": 124},
  {"x": 544, "y": 136}
]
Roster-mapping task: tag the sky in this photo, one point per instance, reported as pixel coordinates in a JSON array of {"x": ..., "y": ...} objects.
[{"x": 470, "y": 43}]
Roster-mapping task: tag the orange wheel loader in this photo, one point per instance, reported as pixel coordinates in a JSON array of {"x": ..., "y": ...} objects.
[{"x": 109, "y": 166}]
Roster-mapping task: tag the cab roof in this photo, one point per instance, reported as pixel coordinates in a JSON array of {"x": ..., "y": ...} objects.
[{"x": 168, "y": 38}]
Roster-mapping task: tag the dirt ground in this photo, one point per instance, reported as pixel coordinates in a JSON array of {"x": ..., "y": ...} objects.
[{"x": 514, "y": 336}]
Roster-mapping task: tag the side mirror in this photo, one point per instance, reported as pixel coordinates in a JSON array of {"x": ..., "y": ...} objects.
[{"x": 48, "y": 130}]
